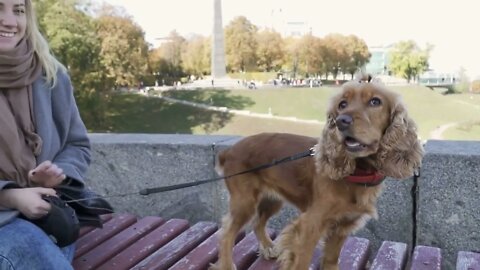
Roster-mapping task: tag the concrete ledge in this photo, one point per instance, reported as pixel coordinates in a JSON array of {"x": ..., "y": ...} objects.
[
  {"x": 124, "y": 163},
  {"x": 448, "y": 214},
  {"x": 440, "y": 210}
]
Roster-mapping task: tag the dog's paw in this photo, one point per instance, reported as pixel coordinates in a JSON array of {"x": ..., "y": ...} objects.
[
  {"x": 271, "y": 252},
  {"x": 286, "y": 259}
]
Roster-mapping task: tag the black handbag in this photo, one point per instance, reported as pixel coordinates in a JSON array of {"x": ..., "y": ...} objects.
[
  {"x": 61, "y": 223},
  {"x": 87, "y": 204}
]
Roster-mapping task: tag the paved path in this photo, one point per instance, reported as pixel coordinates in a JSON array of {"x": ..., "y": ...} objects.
[{"x": 436, "y": 134}]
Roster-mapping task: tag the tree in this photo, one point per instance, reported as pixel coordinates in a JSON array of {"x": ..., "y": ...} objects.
[
  {"x": 240, "y": 44},
  {"x": 196, "y": 56},
  {"x": 123, "y": 48},
  {"x": 172, "y": 49},
  {"x": 335, "y": 53},
  {"x": 462, "y": 82},
  {"x": 73, "y": 40},
  {"x": 408, "y": 60},
  {"x": 292, "y": 57},
  {"x": 270, "y": 50},
  {"x": 310, "y": 55},
  {"x": 357, "y": 54},
  {"x": 166, "y": 61}
]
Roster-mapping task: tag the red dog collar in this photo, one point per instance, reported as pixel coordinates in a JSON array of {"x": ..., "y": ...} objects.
[{"x": 365, "y": 177}]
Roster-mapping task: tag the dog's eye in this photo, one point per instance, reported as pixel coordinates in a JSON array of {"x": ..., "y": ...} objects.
[
  {"x": 375, "y": 102},
  {"x": 342, "y": 105}
]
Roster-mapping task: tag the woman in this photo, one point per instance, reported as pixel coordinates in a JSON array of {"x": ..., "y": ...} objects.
[{"x": 42, "y": 140}]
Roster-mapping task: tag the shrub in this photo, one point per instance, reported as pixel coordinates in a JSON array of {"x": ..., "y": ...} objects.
[{"x": 475, "y": 87}]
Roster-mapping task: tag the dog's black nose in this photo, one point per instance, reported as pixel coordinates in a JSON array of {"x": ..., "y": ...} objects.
[{"x": 343, "y": 121}]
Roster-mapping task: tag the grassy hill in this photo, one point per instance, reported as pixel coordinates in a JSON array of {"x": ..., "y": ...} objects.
[{"x": 135, "y": 113}]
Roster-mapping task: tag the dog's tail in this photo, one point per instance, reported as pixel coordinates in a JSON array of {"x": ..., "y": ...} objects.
[{"x": 219, "y": 162}]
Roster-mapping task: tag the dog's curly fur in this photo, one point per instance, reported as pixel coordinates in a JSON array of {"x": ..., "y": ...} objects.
[{"x": 367, "y": 127}]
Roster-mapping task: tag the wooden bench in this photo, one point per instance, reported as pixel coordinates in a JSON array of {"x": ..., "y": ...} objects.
[{"x": 126, "y": 242}]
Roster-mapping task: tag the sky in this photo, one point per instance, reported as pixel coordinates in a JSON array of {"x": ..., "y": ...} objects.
[{"x": 452, "y": 26}]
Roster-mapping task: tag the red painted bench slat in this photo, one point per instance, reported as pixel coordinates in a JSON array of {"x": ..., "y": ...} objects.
[
  {"x": 317, "y": 257},
  {"x": 390, "y": 256},
  {"x": 99, "y": 235},
  {"x": 426, "y": 258},
  {"x": 177, "y": 248},
  {"x": 245, "y": 252},
  {"x": 203, "y": 255},
  {"x": 87, "y": 229},
  {"x": 117, "y": 243},
  {"x": 149, "y": 243},
  {"x": 146, "y": 245},
  {"x": 468, "y": 260},
  {"x": 354, "y": 254},
  {"x": 263, "y": 264}
]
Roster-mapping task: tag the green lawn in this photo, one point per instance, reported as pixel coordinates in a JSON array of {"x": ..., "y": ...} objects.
[
  {"x": 131, "y": 113},
  {"x": 137, "y": 114}
]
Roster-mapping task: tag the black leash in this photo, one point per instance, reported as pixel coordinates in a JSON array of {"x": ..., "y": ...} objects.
[{"x": 148, "y": 191}]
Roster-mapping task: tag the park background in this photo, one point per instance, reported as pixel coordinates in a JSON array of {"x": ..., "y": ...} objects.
[{"x": 123, "y": 77}]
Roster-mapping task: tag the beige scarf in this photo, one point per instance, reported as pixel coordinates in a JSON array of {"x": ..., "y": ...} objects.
[{"x": 19, "y": 144}]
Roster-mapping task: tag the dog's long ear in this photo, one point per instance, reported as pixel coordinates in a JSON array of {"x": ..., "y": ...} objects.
[
  {"x": 332, "y": 160},
  {"x": 400, "y": 152}
]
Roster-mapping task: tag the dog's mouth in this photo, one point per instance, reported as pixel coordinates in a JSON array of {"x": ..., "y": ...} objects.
[{"x": 354, "y": 145}]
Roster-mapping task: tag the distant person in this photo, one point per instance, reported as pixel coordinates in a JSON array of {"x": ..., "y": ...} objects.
[
  {"x": 252, "y": 85},
  {"x": 43, "y": 141}
]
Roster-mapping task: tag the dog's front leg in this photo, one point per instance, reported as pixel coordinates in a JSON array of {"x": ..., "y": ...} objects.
[
  {"x": 331, "y": 251},
  {"x": 298, "y": 241},
  {"x": 335, "y": 240}
]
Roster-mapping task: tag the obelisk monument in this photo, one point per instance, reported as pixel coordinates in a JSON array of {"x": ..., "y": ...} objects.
[{"x": 218, "y": 45}]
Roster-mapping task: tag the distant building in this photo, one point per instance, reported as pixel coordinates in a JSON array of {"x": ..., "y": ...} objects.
[
  {"x": 288, "y": 24},
  {"x": 379, "y": 60},
  {"x": 296, "y": 29},
  {"x": 432, "y": 77},
  {"x": 160, "y": 41}
]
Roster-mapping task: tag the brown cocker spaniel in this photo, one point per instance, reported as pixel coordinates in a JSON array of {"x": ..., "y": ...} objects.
[{"x": 368, "y": 135}]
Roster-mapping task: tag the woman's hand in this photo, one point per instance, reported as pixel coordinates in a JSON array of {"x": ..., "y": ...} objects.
[
  {"x": 46, "y": 174},
  {"x": 27, "y": 200}
]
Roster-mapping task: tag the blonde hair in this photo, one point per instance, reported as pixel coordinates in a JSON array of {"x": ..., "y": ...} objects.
[{"x": 40, "y": 46}]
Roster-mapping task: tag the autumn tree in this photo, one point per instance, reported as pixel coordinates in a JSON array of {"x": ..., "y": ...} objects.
[
  {"x": 87, "y": 45},
  {"x": 336, "y": 55},
  {"x": 407, "y": 60},
  {"x": 72, "y": 38},
  {"x": 196, "y": 56},
  {"x": 240, "y": 44},
  {"x": 310, "y": 56},
  {"x": 357, "y": 52},
  {"x": 123, "y": 47},
  {"x": 270, "y": 50},
  {"x": 166, "y": 60},
  {"x": 292, "y": 57}
]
